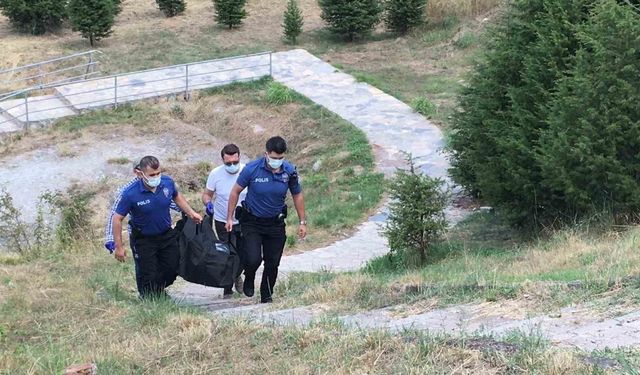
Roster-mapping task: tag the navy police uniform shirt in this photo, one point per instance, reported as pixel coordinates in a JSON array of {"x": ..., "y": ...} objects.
[
  {"x": 267, "y": 189},
  {"x": 149, "y": 210}
]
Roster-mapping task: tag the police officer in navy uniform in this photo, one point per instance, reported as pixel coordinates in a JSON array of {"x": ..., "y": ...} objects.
[
  {"x": 262, "y": 217},
  {"x": 153, "y": 240}
]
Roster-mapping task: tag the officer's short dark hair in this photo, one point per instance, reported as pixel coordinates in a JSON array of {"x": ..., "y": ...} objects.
[
  {"x": 148, "y": 161},
  {"x": 277, "y": 144},
  {"x": 230, "y": 149}
]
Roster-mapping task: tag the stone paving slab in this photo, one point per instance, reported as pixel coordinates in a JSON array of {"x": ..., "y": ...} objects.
[
  {"x": 8, "y": 124},
  {"x": 41, "y": 108},
  {"x": 131, "y": 87}
]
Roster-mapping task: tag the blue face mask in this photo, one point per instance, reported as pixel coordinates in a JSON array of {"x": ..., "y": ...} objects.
[
  {"x": 232, "y": 169},
  {"x": 152, "y": 182},
  {"x": 275, "y": 163}
]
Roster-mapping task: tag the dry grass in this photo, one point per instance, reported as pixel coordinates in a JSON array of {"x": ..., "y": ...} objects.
[{"x": 78, "y": 309}]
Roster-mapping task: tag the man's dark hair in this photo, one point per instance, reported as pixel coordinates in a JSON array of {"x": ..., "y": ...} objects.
[
  {"x": 148, "y": 161},
  {"x": 277, "y": 144},
  {"x": 230, "y": 149}
]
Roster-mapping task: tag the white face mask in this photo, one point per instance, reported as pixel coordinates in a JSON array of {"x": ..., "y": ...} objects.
[
  {"x": 152, "y": 182},
  {"x": 232, "y": 169},
  {"x": 274, "y": 163}
]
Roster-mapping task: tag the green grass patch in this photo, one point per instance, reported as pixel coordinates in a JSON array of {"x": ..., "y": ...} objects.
[
  {"x": 137, "y": 114},
  {"x": 278, "y": 94},
  {"x": 424, "y": 106}
]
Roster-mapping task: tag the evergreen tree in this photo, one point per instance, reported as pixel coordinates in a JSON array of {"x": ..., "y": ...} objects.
[
  {"x": 229, "y": 13},
  {"x": 117, "y": 6},
  {"x": 513, "y": 142},
  {"x": 589, "y": 153},
  {"x": 34, "y": 16},
  {"x": 293, "y": 21},
  {"x": 402, "y": 15},
  {"x": 171, "y": 8},
  {"x": 93, "y": 18},
  {"x": 351, "y": 18}
]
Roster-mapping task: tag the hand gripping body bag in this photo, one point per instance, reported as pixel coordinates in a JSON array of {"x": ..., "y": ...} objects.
[{"x": 204, "y": 259}]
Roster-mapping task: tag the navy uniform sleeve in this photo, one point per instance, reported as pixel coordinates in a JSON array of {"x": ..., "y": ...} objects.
[
  {"x": 294, "y": 182},
  {"x": 245, "y": 177},
  {"x": 124, "y": 206}
]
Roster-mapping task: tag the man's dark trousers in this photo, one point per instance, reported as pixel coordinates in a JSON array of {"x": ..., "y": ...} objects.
[
  {"x": 236, "y": 240},
  {"x": 263, "y": 239},
  {"x": 156, "y": 261}
]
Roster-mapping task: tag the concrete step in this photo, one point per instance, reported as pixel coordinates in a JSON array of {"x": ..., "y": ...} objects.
[
  {"x": 41, "y": 109},
  {"x": 9, "y": 124}
]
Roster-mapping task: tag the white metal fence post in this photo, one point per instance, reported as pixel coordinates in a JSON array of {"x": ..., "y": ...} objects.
[
  {"x": 26, "y": 107},
  {"x": 186, "y": 82},
  {"x": 115, "y": 91},
  {"x": 270, "y": 64}
]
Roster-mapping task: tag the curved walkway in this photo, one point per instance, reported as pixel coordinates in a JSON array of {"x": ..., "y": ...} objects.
[{"x": 392, "y": 128}]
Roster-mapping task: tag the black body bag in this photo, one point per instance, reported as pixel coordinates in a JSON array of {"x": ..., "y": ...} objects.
[{"x": 204, "y": 259}]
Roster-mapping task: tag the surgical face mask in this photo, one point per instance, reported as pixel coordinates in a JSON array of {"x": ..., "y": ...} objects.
[
  {"x": 274, "y": 163},
  {"x": 152, "y": 182},
  {"x": 232, "y": 169}
]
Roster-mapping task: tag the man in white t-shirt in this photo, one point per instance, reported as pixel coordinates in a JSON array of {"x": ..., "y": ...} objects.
[{"x": 216, "y": 199}]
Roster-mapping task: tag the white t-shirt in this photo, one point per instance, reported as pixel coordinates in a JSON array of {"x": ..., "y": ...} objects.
[{"x": 221, "y": 182}]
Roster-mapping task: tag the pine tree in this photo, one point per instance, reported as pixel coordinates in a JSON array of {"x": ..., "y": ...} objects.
[
  {"x": 351, "y": 18},
  {"x": 403, "y": 15},
  {"x": 171, "y": 8},
  {"x": 229, "y": 13},
  {"x": 34, "y": 16},
  {"x": 293, "y": 21},
  {"x": 117, "y": 6},
  {"x": 93, "y": 18}
]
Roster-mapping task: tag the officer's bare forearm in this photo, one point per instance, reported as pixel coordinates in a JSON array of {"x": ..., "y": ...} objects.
[
  {"x": 233, "y": 200},
  {"x": 117, "y": 230},
  {"x": 298, "y": 202},
  {"x": 184, "y": 205}
]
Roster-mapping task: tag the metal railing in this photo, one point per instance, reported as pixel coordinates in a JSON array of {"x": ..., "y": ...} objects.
[
  {"x": 111, "y": 91},
  {"x": 51, "y": 72}
]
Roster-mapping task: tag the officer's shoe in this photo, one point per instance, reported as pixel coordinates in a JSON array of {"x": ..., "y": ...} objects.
[
  {"x": 248, "y": 289},
  {"x": 239, "y": 284},
  {"x": 266, "y": 300}
]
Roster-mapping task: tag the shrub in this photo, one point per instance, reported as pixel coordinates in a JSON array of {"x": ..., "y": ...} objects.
[
  {"x": 351, "y": 18},
  {"x": 229, "y": 13},
  {"x": 416, "y": 214},
  {"x": 34, "y": 16},
  {"x": 92, "y": 18},
  {"x": 424, "y": 107},
  {"x": 117, "y": 6},
  {"x": 14, "y": 232},
  {"x": 403, "y": 15},
  {"x": 172, "y": 8},
  {"x": 532, "y": 137},
  {"x": 292, "y": 23},
  {"x": 279, "y": 94}
]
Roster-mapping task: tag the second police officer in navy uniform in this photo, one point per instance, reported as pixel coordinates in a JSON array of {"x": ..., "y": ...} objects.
[{"x": 262, "y": 217}]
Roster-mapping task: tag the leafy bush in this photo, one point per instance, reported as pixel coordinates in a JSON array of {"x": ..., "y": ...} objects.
[
  {"x": 351, "y": 18},
  {"x": 279, "y": 94},
  {"x": 14, "y": 232},
  {"x": 549, "y": 118},
  {"x": 93, "y": 18},
  {"x": 403, "y": 15},
  {"x": 229, "y": 13},
  {"x": 424, "y": 106},
  {"x": 416, "y": 214},
  {"x": 34, "y": 16},
  {"x": 292, "y": 23},
  {"x": 172, "y": 8}
]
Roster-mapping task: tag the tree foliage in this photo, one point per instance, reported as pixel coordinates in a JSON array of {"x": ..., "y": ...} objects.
[
  {"x": 34, "y": 16},
  {"x": 403, "y": 15},
  {"x": 416, "y": 213},
  {"x": 172, "y": 8},
  {"x": 547, "y": 121},
  {"x": 92, "y": 18},
  {"x": 229, "y": 13},
  {"x": 351, "y": 18},
  {"x": 292, "y": 21}
]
